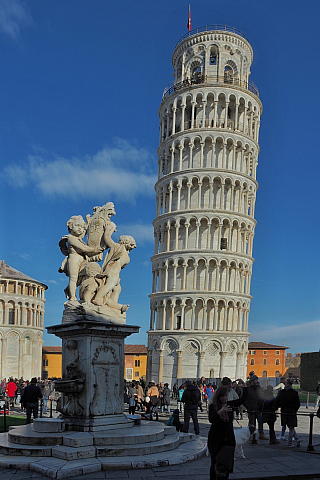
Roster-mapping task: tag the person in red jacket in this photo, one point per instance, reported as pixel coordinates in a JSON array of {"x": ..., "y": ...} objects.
[{"x": 11, "y": 390}]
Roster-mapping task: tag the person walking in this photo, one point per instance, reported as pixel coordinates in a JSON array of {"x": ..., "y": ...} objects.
[
  {"x": 191, "y": 398},
  {"x": 132, "y": 395},
  {"x": 29, "y": 399},
  {"x": 268, "y": 413},
  {"x": 221, "y": 440},
  {"x": 288, "y": 400},
  {"x": 253, "y": 405},
  {"x": 153, "y": 394},
  {"x": 166, "y": 393},
  {"x": 11, "y": 391}
]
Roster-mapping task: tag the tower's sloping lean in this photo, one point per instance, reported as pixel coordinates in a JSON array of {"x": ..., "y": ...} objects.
[{"x": 205, "y": 199}]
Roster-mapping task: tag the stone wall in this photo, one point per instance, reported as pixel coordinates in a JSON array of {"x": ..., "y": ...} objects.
[{"x": 310, "y": 371}]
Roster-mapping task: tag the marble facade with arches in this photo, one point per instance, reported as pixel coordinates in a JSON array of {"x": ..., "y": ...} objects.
[
  {"x": 22, "y": 301},
  {"x": 205, "y": 204}
]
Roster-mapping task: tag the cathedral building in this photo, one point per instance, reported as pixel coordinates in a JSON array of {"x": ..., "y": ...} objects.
[
  {"x": 205, "y": 200},
  {"x": 21, "y": 324}
]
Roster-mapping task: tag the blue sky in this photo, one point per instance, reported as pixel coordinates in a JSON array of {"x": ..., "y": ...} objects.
[{"x": 80, "y": 86}]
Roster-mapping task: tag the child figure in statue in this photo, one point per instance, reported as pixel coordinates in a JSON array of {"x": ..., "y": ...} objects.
[
  {"x": 116, "y": 259},
  {"x": 74, "y": 248}
]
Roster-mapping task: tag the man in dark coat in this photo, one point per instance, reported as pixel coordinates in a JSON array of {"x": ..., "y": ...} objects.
[
  {"x": 166, "y": 393},
  {"x": 253, "y": 405},
  {"x": 29, "y": 399},
  {"x": 191, "y": 398},
  {"x": 288, "y": 400}
]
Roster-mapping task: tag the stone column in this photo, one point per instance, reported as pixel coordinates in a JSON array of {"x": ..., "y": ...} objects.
[
  {"x": 187, "y": 235},
  {"x": 174, "y": 283},
  {"x": 201, "y": 364},
  {"x": 174, "y": 109},
  {"x": 204, "y": 103},
  {"x": 177, "y": 234},
  {"x": 182, "y": 317},
  {"x": 172, "y": 316},
  {"x": 179, "y": 363},
  {"x": 184, "y": 276},
  {"x": 215, "y": 113},
  {"x": 239, "y": 365},
  {"x": 223, "y": 356},
  {"x": 226, "y": 116},
  {"x": 192, "y": 114},
  {"x": 190, "y": 156},
  {"x": 179, "y": 196},
  {"x": 180, "y": 157},
  {"x": 183, "y": 108},
  {"x": 189, "y": 185},
  {"x": 149, "y": 365},
  {"x": 160, "y": 366},
  {"x": 20, "y": 359},
  {"x": 170, "y": 198},
  {"x": 236, "y": 116}
]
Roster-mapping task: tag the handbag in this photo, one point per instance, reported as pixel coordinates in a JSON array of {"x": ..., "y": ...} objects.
[{"x": 225, "y": 458}]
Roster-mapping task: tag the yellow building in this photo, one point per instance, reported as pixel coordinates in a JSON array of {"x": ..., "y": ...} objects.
[
  {"x": 51, "y": 362},
  {"x": 135, "y": 362}
]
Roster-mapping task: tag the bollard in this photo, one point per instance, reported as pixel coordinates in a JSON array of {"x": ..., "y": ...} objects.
[
  {"x": 308, "y": 396},
  {"x": 310, "y": 447},
  {"x": 41, "y": 405},
  {"x": 5, "y": 417},
  {"x": 51, "y": 408}
]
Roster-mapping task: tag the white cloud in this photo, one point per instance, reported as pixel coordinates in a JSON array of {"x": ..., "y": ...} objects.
[
  {"x": 13, "y": 16},
  {"x": 303, "y": 337},
  {"x": 25, "y": 256},
  {"x": 53, "y": 281},
  {"x": 121, "y": 170},
  {"x": 141, "y": 233}
]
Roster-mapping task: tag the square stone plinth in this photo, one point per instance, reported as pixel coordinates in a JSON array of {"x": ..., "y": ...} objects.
[{"x": 48, "y": 425}]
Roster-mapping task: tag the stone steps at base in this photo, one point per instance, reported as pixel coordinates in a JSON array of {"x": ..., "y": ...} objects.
[
  {"x": 169, "y": 442},
  {"x": 9, "y": 448},
  {"x": 25, "y": 435},
  {"x": 58, "y": 469},
  {"x": 144, "y": 433},
  {"x": 184, "y": 453}
]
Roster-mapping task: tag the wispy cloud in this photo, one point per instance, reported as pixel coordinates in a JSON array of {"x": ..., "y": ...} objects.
[
  {"x": 25, "y": 256},
  {"x": 302, "y": 337},
  {"x": 13, "y": 16},
  {"x": 53, "y": 281},
  {"x": 120, "y": 170},
  {"x": 141, "y": 233}
]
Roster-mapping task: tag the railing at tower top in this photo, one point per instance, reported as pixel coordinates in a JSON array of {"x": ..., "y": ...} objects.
[
  {"x": 204, "y": 80},
  {"x": 212, "y": 28}
]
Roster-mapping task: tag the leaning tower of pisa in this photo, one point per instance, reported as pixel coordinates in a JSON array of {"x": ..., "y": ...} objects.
[{"x": 205, "y": 199}]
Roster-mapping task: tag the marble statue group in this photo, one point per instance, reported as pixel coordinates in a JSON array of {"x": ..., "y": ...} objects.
[{"x": 99, "y": 285}]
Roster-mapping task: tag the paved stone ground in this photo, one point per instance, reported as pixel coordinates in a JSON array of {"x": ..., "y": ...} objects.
[{"x": 262, "y": 461}]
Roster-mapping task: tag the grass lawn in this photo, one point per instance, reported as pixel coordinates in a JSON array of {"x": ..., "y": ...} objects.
[{"x": 12, "y": 421}]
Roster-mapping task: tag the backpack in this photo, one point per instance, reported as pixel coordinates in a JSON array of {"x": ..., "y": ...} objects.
[{"x": 195, "y": 397}]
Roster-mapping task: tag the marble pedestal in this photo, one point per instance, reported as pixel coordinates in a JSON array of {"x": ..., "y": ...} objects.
[{"x": 92, "y": 374}]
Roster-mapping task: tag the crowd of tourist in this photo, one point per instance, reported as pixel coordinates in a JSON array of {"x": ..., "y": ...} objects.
[
  {"x": 19, "y": 395},
  {"x": 225, "y": 403}
]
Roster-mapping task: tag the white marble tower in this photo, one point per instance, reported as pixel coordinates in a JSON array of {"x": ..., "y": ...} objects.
[{"x": 204, "y": 225}]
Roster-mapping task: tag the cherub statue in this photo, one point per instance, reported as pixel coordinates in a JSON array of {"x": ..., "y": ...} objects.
[
  {"x": 116, "y": 259},
  {"x": 99, "y": 286},
  {"x": 100, "y": 228},
  {"x": 76, "y": 251}
]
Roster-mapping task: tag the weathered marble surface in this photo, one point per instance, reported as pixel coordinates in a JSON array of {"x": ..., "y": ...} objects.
[
  {"x": 75, "y": 311},
  {"x": 92, "y": 374},
  {"x": 99, "y": 285}
]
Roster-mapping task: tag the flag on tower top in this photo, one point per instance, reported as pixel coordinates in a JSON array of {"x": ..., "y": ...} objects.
[{"x": 189, "y": 20}]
